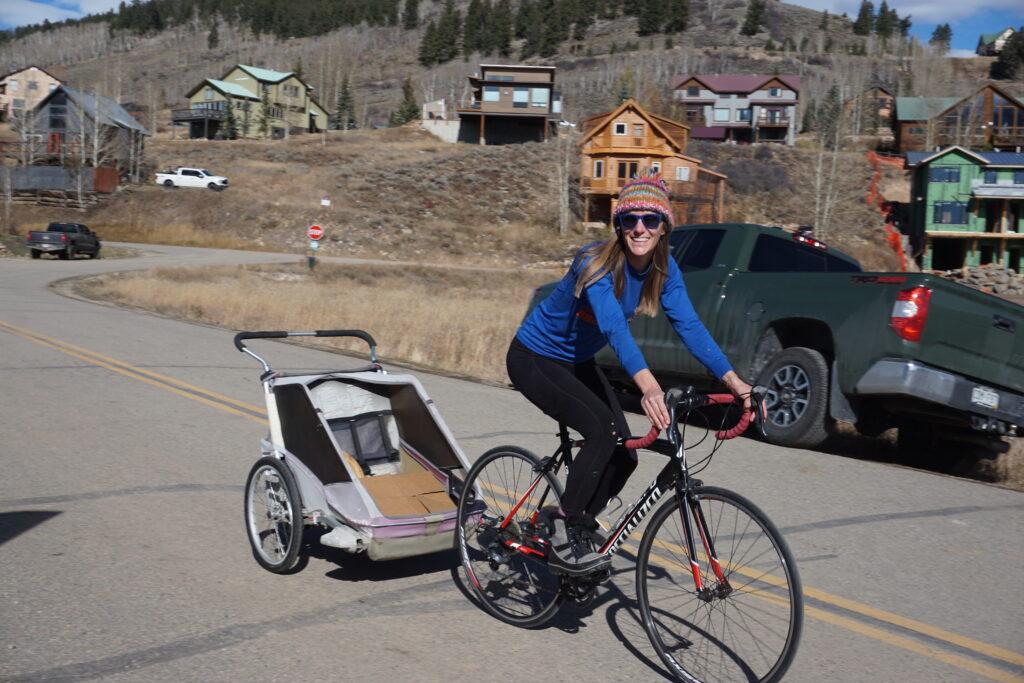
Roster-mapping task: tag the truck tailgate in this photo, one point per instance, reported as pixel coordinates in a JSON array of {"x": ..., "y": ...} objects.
[
  {"x": 40, "y": 236},
  {"x": 978, "y": 335}
]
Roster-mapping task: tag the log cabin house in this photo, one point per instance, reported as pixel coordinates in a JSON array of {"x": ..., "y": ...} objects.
[
  {"x": 619, "y": 144},
  {"x": 988, "y": 118}
]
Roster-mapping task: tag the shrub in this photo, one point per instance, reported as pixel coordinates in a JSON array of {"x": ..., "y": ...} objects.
[{"x": 751, "y": 175}]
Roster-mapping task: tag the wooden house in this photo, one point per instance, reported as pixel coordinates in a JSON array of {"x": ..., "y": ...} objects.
[
  {"x": 290, "y": 105},
  {"x": 740, "y": 108},
  {"x": 511, "y": 104},
  {"x": 69, "y": 122},
  {"x": 988, "y": 118},
  {"x": 617, "y": 145},
  {"x": 22, "y": 90},
  {"x": 870, "y": 110},
  {"x": 991, "y": 44}
]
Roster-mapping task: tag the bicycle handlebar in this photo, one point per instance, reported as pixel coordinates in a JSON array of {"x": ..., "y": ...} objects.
[{"x": 690, "y": 399}]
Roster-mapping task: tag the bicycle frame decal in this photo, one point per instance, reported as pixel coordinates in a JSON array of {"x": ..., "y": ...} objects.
[{"x": 633, "y": 518}]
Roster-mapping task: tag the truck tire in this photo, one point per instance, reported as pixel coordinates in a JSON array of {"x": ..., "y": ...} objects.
[
  {"x": 212, "y": 186},
  {"x": 797, "y": 402},
  {"x": 95, "y": 253},
  {"x": 35, "y": 253},
  {"x": 168, "y": 183},
  {"x": 66, "y": 254}
]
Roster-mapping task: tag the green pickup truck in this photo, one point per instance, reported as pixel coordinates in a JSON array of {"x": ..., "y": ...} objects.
[{"x": 830, "y": 342}]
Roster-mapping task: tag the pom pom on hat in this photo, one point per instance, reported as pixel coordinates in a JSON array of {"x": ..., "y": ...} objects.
[{"x": 645, "y": 193}]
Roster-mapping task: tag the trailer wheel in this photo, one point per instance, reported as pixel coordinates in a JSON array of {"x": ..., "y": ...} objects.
[
  {"x": 797, "y": 400},
  {"x": 273, "y": 517}
]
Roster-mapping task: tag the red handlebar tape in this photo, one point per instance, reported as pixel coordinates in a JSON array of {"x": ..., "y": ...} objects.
[{"x": 713, "y": 400}]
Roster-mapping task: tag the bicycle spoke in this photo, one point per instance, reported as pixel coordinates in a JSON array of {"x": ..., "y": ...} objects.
[{"x": 743, "y": 630}]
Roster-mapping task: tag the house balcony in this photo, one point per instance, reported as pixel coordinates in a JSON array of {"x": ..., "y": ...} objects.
[
  {"x": 1001, "y": 190},
  {"x": 189, "y": 115},
  {"x": 773, "y": 121},
  {"x": 678, "y": 190},
  {"x": 1007, "y": 136}
]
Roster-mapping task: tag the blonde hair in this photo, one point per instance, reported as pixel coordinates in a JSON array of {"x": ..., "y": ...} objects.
[{"x": 610, "y": 257}]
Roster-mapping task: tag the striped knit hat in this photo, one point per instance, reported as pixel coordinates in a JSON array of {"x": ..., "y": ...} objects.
[{"x": 645, "y": 193}]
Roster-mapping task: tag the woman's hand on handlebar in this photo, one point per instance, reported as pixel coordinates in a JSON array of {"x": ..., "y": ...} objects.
[
  {"x": 653, "y": 401},
  {"x": 741, "y": 389}
]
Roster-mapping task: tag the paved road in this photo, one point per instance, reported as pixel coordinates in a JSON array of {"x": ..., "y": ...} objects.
[{"x": 122, "y": 552}]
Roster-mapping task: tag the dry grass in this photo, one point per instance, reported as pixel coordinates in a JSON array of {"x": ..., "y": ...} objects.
[{"x": 458, "y": 322}]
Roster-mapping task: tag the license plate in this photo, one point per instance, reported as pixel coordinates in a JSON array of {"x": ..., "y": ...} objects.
[{"x": 983, "y": 396}]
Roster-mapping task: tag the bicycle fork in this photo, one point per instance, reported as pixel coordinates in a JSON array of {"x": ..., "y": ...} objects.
[{"x": 692, "y": 515}]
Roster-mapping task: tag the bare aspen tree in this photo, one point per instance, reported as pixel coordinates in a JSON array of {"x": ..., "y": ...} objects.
[
  {"x": 8, "y": 199},
  {"x": 566, "y": 146}
]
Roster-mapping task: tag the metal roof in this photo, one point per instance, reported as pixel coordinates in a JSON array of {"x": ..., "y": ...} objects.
[
  {"x": 102, "y": 109},
  {"x": 229, "y": 88},
  {"x": 266, "y": 74},
  {"x": 987, "y": 158},
  {"x": 922, "y": 108},
  {"x": 1004, "y": 158}
]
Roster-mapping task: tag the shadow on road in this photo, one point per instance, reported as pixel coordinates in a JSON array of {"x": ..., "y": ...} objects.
[{"x": 13, "y": 524}]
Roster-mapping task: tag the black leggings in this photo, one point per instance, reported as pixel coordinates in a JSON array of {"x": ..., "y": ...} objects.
[{"x": 579, "y": 396}]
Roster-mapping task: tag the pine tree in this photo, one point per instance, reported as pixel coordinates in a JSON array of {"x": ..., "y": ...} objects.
[
  {"x": 754, "y": 20},
  {"x": 409, "y": 110},
  {"x": 1009, "y": 65},
  {"x": 522, "y": 20},
  {"x": 865, "y": 18},
  {"x": 810, "y": 118},
  {"x": 770, "y": 46},
  {"x": 883, "y": 23},
  {"x": 297, "y": 68},
  {"x": 411, "y": 14},
  {"x": 827, "y": 117},
  {"x": 649, "y": 17},
  {"x": 677, "y": 16},
  {"x": 344, "y": 107},
  {"x": 904, "y": 26},
  {"x": 263, "y": 120},
  {"x": 213, "y": 38},
  {"x": 449, "y": 31},
  {"x": 824, "y": 21},
  {"x": 941, "y": 38},
  {"x": 500, "y": 27},
  {"x": 230, "y": 122},
  {"x": 428, "y": 46},
  {"x": 475, "y": 29}
]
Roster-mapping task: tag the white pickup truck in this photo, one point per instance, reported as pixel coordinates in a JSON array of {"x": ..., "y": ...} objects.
[{"x": 191, "y": 177}]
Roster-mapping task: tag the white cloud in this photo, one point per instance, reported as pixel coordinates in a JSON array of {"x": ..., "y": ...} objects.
[
  {"x": 961, "y": 53},
  {"x": 21, "y": 12},
  {"x": 96, "y": 6},
  {"x": 919, "y": 10}
]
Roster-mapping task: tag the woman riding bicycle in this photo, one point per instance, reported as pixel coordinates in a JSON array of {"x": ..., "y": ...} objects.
[{"x": 551, "y": 359}]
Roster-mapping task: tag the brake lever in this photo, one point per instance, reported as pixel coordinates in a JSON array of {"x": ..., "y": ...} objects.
[{"x": 757, "y": 396}]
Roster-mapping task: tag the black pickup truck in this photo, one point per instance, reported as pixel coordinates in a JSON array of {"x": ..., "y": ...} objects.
[{"x": 65, "y": 240}]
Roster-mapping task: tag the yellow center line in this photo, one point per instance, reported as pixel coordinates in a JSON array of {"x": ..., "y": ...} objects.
[{"x": 235, "y": 407}]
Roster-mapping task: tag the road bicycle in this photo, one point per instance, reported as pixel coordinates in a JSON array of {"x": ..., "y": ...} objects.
[{"x": 718, "y": 589}]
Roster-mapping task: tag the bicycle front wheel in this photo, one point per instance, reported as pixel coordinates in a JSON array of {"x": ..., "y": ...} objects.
[
  {"x": 502, "y": 546},
  {"x": 744, "y": 623}
]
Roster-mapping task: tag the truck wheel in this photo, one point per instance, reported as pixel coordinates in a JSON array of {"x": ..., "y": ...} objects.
[
  {"x": 212, "y": 186},
  {"x": 95, "y": 253},
  {"x": 64, "y": 255},
  {"x": 35, "y": 253},
  {"x": 168, "y": 183},
  {"x": 797, "y": 401}
]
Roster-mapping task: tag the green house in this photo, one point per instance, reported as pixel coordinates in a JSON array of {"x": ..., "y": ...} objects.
[
  {"x": 264, "y": 103},
  {"x": 968, "y": 206}
]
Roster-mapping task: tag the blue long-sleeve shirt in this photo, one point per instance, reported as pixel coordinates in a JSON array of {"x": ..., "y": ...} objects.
[{"x": 574, "y": 330}]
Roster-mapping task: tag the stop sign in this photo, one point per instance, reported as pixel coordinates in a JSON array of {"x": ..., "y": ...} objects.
[{"x": 314, "y": 232}]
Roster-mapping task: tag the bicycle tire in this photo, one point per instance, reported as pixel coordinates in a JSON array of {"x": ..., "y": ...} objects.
[
  {"x": 519, "y": 465},
  {"x": 770, "y": 587}
]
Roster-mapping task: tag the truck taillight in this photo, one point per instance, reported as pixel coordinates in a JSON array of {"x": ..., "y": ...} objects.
[
  {"x": 63, "y": 237},
  {"x": 909, "y": 312}
]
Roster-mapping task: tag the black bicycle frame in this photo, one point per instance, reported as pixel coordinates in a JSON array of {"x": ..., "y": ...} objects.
[{"x": 675, "y": 475}]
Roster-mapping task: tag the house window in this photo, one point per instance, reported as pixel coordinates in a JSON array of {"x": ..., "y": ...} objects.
[
  {"x": 12, "y": 84},
  {"x": 694, "y": 113},
  {"x": 1018, "y": 177},
  {"x": 628, "y": 169},
  {"x": 916, "y": 130},
  {"x": 950, "y": 213},
  {"x": 620, "y": 129},
  {"x": 991, "y": 177},
  {"x": 721, "y": 114},
  {"x": 208, "y": 94},
  {"x": 291, "y": 91},
  {"x": 693, "y": 91},
  {"x": 683, "y": 173},
  {"x": 33, "y": 85},
  {"x": 492, "y": 93},
  {"x": 556, "y": 103},
  {"x": 944, "y": 174},
  {"x": 274, "y": 112},
  {"x": 743, "y": 114},
  {"x": 599, "y": 168},
  {"x": 18, "y": 104},
  {"x": 774, "y": 92},
  {"x": 656, "y": 166},
  {"x": 53, "y": 86},
  {"x": 638, "y": 130},
  {"x": 521, "y": 98},
  {"x": 58, "y": 113},
  {"x": 539, "y": 97}
]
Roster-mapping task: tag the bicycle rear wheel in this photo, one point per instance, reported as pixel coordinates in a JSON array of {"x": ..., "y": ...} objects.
[
  {"x": 745, "y": 628},
  {"x": 515, "y": 587}
]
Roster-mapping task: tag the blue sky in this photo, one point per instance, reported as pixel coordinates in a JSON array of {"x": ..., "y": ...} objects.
[{"x": 969, "y": 18}]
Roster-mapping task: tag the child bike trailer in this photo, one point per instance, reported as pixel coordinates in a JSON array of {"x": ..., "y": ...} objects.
[{"x": 361, "y": 453}]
